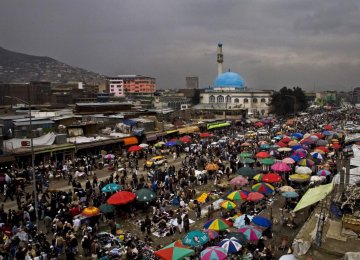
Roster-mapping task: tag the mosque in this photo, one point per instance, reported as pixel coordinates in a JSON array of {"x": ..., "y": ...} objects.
[{"x": 230, "y": 98}]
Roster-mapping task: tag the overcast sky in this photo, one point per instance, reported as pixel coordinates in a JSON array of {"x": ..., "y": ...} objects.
[{"x": 271, "y": 43}]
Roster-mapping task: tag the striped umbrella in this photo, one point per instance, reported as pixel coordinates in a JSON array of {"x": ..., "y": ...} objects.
[
  {"x": 174, "y": 251},
  {"x": 213, "y": 253},
  {"x": 226, "y": 204},
  {"x": 306, "y": 162},
  {"x": 258, "y": 177},
  {"x": 317, "y": 155},
  {"x": 323, "y": 173},
  {"x": 217, "y": 224},
  {"x": 238, "y": 195},
  {"x": 264, "y": 188},
  {"x": 252, "y": 233},
  {"x": 231, "y": 245}
]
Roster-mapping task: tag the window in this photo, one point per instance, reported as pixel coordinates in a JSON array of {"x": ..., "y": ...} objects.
[
  {"x": 263, "y": 100},
  {"x": 263, "y": 112},
  {"x": 220, "y": 99},
  {"x": 228, "y": 99},
  {"x": 211, "y": 99},
  {"x": 236, "y": 100},
  {"x": 254, "y": 100},
  {"x": 246, "y": 100}
]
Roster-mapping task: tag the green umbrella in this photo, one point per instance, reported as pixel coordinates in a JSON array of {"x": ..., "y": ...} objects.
[
  {"x": 246, "y": 171},
  {"x": 247, "y": 160},
  {"x": 245, "y": 155},
  {"x": 267, "y": 161},
  {"x": 174, "y": 251},
  {"x": 106, "y": 208},
  {"x": 145, "y": 195}
]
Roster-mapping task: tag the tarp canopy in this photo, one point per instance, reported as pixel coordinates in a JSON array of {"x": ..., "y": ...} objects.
[
  {"x": 213, "y": 126},
  {"x": 314, "y": 195},
  {"x": 130, "y": 140}
]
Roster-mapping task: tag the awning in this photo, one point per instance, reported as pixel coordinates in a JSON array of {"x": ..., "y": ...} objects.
[
  {"x": 213, "y": 126},
  {"x": 188, "y": 130},
  {"x": 130, "y": 140},
  {"x": 151, "y": 137},
  {"x": 314, "y": 195},
  {"x": 7, "y": 158},
  {"x": 171, "y": 132}
]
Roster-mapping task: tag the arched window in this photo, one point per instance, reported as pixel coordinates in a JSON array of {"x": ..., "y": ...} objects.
[
  {"x": 236, "y": 100},
  {"x": 211, "y": 99},
  {"x": 220, "y": 99},
  {"x": 254, "y": 100},
  {"x": 262, "y": 112},
  {"x": 228, "y": 99},
  {"x": 263, "y": 100},
  {"x": 246, "y": 100}
]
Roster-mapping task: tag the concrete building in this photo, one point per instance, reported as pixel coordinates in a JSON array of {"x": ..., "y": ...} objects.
[
  {"x": 192, "y": 82},
  {"x": 123, "y": 85}
]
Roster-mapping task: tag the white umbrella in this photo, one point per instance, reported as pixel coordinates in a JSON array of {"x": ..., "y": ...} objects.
[
  {"x": 240, "y": 221},
  {"x": 288, "y": 257},
  {"x": 303, "y": 170},
  {"x": 143, "y": 145},
  {"x": 284, "y": 149},
  {"x": 317, "y": 178}
]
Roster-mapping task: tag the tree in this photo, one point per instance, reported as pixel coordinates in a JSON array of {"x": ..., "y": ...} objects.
[{"x": 288, "y": 101}]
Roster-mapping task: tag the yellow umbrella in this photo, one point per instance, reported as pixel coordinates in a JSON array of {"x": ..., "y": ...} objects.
[
  {"x": 226, "y": 204},
  {"x": 159, "y": 144},
  {"x": 286, "y": 189},
  {"x": 212, "y": 167},
  {"x": 299, "y": 177},
  {"x": 258, "y": 177},
  {"x": 202, "y": 198},
  {"x": 90, "y": 211}
]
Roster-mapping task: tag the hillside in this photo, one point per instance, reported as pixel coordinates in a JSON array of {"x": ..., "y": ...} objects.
[{"x": 19, "y": 68}]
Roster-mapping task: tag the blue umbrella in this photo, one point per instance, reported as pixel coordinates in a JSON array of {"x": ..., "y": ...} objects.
[
  {"x": 327, "y": 133},
  {"x": 295, "y": 158},
  {"x": 170, "y": 143},
  {"x": 264, "y": 146},
  {"x": 195, "y": 238},
  {"x": 297, "y": 135},
  {"x": 231, "y": 245},
  {"x": 261, "y": 221},
  {"x": 290, "y": 194},
  {"x": 111, "y": 187},
  {"x": 295, "y": 147}
]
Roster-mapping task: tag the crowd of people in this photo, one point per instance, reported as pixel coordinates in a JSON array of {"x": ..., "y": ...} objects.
[{"x": 62, "y": 230}]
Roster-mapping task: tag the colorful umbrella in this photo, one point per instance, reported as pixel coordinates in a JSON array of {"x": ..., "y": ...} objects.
[
  {"x": 211, "y": 233},
  {"x": 255, "y": 196},
  {"x": 303, "y": 170},
  {"x": 213, "y": 253},
  {"x": 271, "y": 178},
  {"x": 246, "y": 171},
  {"x": 288, "y": 160},
  {"x": 261, "y": 221},
  {"x": 121, "y": 197},
  {"x": 262, "y": 155},
  {"x": 301, "y": 154},
  {"x": 217, "y": 224},
  {"x": 264, "y": 188},
  {"x": 176, "y": 141},
  {"x": 299, "y": 177},
  {"x": 231, "y": 245},
  {"x": 106, "y": 208},
  {"x": 204, "y": 135},
  {"x": 185, "y": 139},
  {"x": 111, "y": 187},
  {"x": 239, "y": 181},
  {"x": 323, "y": 173},
  {"x": 238, "y": 195},
  {"x": 174, "y": 251},
  {"x": 212, "y": 167},
  {"x": 247, "y": 160},
  {"x": 306, "y": 162},
  {"x": 290, "y": 194},
  {"x": 195, "y": 238},
  {"x": 252, "y": 233},
  {"x": 245, "y": 155},
  {"x": 258, "y": 177},
  {"x": 145, "y": 195},
  {"x": 280, "y": 167},
  {"x": 135, "y": 148},
  {"x": 286, "y": 188},
  {"x": 316, "y": 155},
  {"x": 226, "y": 204},
  {"x": 90, "y": 211},
  {"x": 297, "y": 135},
  {"x": 238, "y": 236},
  {"x": 267, "y": 161}
]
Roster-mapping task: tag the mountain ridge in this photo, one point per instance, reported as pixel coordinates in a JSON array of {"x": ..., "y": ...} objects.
[{"x": 16, "y": 67}]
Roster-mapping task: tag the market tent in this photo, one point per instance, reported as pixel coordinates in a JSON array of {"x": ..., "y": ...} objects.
[{"x": 314, "y": 195}]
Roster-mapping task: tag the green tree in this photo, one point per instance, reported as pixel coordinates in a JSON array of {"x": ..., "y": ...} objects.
[{"x": 288, "y": 101}]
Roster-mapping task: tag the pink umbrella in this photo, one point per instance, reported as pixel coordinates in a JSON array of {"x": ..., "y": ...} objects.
[
  {"x": 239, "y": 181},
  {"x": 280, "y": 167},
  {"x": 252, "y": 233},
  {"x": 288, "y": 160},
  {"x": 255, "y": 196}
]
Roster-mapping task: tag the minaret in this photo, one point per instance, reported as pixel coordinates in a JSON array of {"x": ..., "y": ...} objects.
[{"x": 220, "y": 59}]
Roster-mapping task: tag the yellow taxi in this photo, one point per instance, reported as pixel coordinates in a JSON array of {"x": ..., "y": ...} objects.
[{"x": 157, "y": 160}]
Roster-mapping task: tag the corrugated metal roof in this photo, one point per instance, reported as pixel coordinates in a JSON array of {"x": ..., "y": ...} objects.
[{"x": 34, "y": 123}]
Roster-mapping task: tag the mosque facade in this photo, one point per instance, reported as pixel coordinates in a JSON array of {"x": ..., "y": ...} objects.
[{"x": 230, "y": 95}]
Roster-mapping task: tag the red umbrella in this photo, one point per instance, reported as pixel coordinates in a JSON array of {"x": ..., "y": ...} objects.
[
  {"x": 204, "y": 135},
  {"x": 335, "y": 146},
  {"x": 121, "y": 197},
  {"x": 271, "y": 178},
  {"x": 262, "y": 155},
  {"x": 285, "y": 139},
  {"x": 134, "y": 148},
  {"x": 322, "y": 148},
  {"x": 328, "y": 127},
  {"x": 319, "y": 135},
  {"x": 281, "y": 144},
  {"x": 259, "y": 124},
  {"x": 255, "y": 196},
  {"x": 185, "y": 139}
]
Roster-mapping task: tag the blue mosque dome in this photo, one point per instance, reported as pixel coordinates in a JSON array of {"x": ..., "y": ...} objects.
[{"x": 229, "y": 79}]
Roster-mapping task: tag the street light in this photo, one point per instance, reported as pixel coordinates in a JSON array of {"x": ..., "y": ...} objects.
[{"x": 32, "y": 156}]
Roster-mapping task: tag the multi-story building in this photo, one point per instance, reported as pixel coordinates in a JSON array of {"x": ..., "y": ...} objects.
[
  {"x": 192, "y": 82},
  {"x": 123, "y": 85}
]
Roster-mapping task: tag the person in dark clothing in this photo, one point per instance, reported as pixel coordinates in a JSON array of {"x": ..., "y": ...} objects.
[
  {"x": 186, "y": 223},
  {"x": 148, "y": 225}
]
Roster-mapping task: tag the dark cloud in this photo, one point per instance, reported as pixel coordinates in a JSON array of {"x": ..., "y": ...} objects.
[{"x": 272, "y": 43}]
